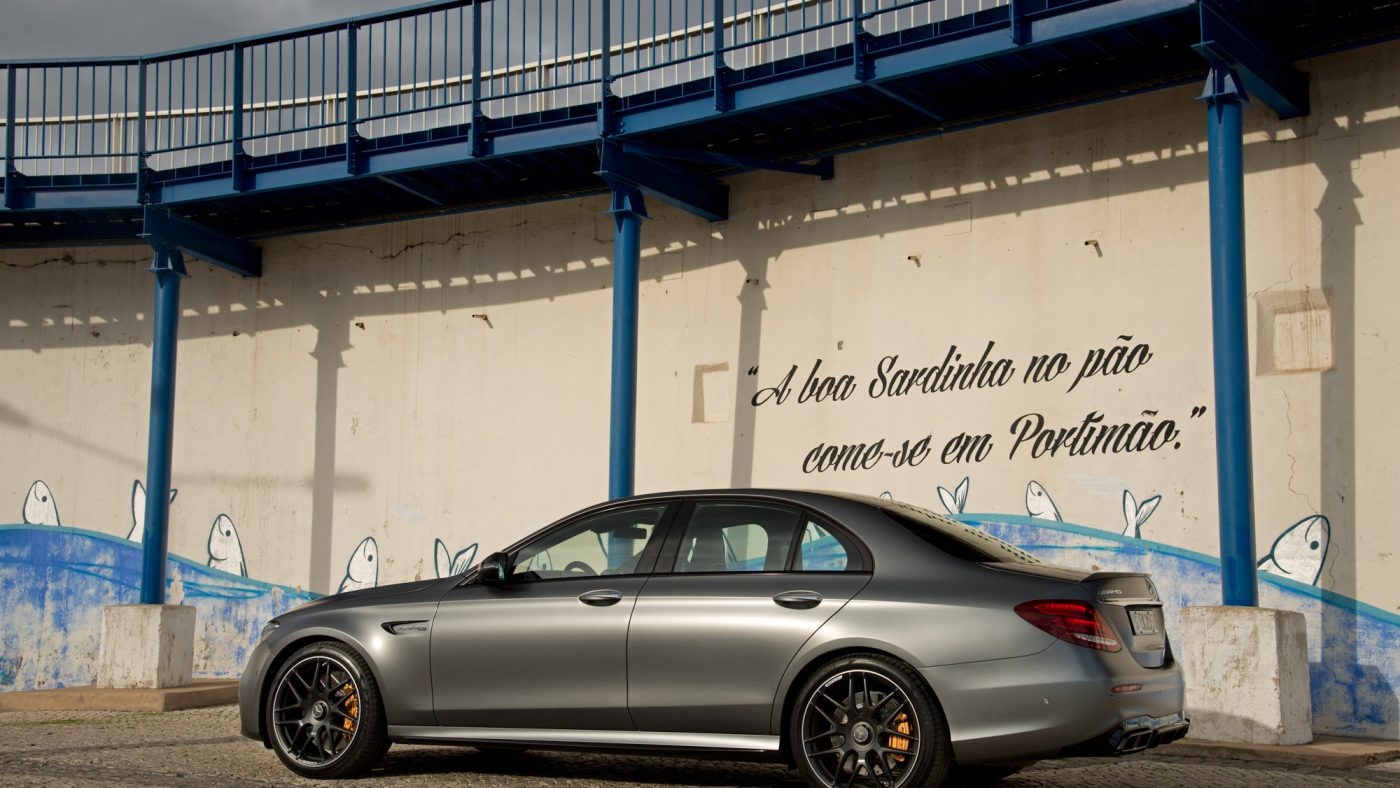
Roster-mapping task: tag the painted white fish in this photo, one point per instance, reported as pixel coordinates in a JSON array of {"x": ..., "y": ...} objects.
[
  {"x": 1135, "y": 514},
  {"x": 887, "y": 496},
  {"x": 448, "y": 564},
  {"x": 138, "y": 510},
  {"x": 39, "y": 506},
  {"x": 955, "y": 501},
  {"x": 362, "y": 570},
  {"x": 1299, "y": 552},
  {"x": 1039, "y": 505},
  {"x": 225, "y": 549}
]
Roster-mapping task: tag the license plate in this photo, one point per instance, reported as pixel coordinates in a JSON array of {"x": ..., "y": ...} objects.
[{"x": 1144, "y": 622}]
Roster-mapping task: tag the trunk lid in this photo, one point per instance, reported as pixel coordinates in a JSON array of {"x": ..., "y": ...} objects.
[{"x": 1132, "y": 605}]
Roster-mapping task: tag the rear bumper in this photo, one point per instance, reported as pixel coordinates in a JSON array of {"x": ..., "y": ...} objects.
[
  {"x": 1133, "y": 735},
  {"x": 1058, "y": 702}
]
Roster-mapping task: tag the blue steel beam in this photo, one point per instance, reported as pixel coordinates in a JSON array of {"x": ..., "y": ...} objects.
[
  {"x": 718, "y": 67},
  {"x": 824, "y": 168},
  {"x": 917, "y": 106},
  {"x": 12, "y": 190},
  {"x": 1227, "y": 42},
  {"x": 1078, "y": 20},
  {"x": 1073, "y": 24},
  {"x": 169, "y": 268},
  {"x": 476, "y": 144},
  {"x": 701, "y": 196},
  {"x": 166, "y": 229},
  {"x": 354, "y": 143},
  {"x": 1225, "y": 100},
  {"x": 1020, "y": 33},
  {"x": 238, "y": 157},
  {"x": 377, "y": 163},
  {"x": 416, "y": 187},
  {"x": 628, "y": 210}
]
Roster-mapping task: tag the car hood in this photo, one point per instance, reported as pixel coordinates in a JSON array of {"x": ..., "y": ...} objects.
[{"x": 372, "y": 595}]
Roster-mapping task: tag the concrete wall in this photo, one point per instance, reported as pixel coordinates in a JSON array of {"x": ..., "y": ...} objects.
[{"x": 382, "y": 389}]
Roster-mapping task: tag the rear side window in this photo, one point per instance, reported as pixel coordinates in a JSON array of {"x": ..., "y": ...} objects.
[
  {"x": 737, "y": 537},
  {"x": 821, "y": 551},
  {"x": 952, "y": 537}
]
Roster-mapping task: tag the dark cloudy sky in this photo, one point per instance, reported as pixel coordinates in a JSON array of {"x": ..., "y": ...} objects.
[{"x": 78, "y": 28}]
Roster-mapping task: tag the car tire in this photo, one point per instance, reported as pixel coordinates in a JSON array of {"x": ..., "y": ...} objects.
[
  {"x": 868, "y": 720},
  {"x": 323, "y": 713}
]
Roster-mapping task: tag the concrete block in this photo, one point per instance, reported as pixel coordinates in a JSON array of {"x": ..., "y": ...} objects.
[
  {"x": 199, "y": 694},
  {"x": 1294, "y": 331},
  {"x": 146, "y": 646},
  {"x": 1246, "y": 672}
]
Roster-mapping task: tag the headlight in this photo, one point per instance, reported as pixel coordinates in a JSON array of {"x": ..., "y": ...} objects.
[{"x": 268, "y": 629}]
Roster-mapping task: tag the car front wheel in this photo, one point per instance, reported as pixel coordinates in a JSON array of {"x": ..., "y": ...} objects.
[
  {"x": 868, "y": 720},
  {"x": 324, "y": 715}
]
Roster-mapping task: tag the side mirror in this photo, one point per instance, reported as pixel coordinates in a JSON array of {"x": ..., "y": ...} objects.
[{"x": 493, "y": 569}]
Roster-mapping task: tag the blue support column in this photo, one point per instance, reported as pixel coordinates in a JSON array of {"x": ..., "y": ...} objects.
[
  {"x": 1225, "y": 100},
  {"x": 169, "y": 269},
  {"x": 628, "y": 210}
]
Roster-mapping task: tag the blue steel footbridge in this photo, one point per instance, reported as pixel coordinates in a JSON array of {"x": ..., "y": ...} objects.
[
  {"x": 451, "y": 106},
  {"x": 461, "y": 105}
]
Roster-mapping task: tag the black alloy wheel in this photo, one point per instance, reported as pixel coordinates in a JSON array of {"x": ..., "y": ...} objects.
[
  {"x": 323, "y": 713},
  {"x": 868, "y": 720}
]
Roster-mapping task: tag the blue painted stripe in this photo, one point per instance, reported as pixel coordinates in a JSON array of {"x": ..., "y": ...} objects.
[
  {"x": 92, "y": 569},
  {"x": 1330, "y": 597}
]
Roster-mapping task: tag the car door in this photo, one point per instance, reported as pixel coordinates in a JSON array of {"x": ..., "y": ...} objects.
[
  {"x": 739, "y": 587},
  {"x": 547, "y": 648}
]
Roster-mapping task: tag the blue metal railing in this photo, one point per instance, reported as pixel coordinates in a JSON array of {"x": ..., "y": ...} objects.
[{"x": 430, "y": 66}]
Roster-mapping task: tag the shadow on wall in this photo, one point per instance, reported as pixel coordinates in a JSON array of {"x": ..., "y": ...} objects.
[
  {"x": 1353, "y": 648},
  {"x": 1340, "y": 219},
  {"x": 472, "y": 262}
]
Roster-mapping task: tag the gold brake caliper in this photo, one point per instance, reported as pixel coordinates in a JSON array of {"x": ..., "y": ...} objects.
[
  {"x": 352, "y": 706},
  {"x": 902, "y": 725}
]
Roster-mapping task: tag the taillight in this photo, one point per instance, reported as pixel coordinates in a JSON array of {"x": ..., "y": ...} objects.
[{"x": 1071, "y": 621}]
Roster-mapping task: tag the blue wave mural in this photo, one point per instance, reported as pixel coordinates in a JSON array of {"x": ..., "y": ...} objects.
[
  {"x": 54, "y": 582},
  {"x": 1354, "y": 648}
]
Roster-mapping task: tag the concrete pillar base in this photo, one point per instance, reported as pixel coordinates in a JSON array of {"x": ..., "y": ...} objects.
[
  {"x": 1246, "y": 671},
  {"x": 146, "y": 646}
]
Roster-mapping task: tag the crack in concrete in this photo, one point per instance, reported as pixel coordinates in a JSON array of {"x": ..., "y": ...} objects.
[
  {"x": 1288, "y": 449},
  {"x": 71, "y": 260},
  {"x": 459, "y": 235}
]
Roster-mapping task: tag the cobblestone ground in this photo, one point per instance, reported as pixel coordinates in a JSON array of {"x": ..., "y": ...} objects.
[{"x": 203, "y": 746}]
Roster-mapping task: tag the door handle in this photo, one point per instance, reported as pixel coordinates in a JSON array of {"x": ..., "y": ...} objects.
[
  {"x": 798, "y": 600},
  {"x": 601, "y": 598}
]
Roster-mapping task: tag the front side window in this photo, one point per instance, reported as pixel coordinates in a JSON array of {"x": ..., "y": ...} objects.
[
  {"x": 737, "y": 537},
  {"x": 611, "y": 543}
]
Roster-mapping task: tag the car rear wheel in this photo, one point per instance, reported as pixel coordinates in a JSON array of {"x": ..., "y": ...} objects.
[
  {"x": 323, "y": 715},
  {"x": 868, "y": 720}
]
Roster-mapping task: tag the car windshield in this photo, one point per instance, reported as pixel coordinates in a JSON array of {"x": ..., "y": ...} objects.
[{"x": 950, "y": 536}]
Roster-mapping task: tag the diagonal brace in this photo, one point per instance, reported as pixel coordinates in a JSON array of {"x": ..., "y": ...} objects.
[
  {"x": 935, "y": 115},
  {"x": 823, "y": 168},
  {"x": 416, "y": 187},
  {"x": 160, "y": 228},
  {"x": 1227, "y": 42},
  {"x": 703, "y": 197}
]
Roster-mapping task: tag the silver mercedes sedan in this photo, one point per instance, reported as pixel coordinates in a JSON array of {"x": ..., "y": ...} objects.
[{"x": 865, "y": 641}]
